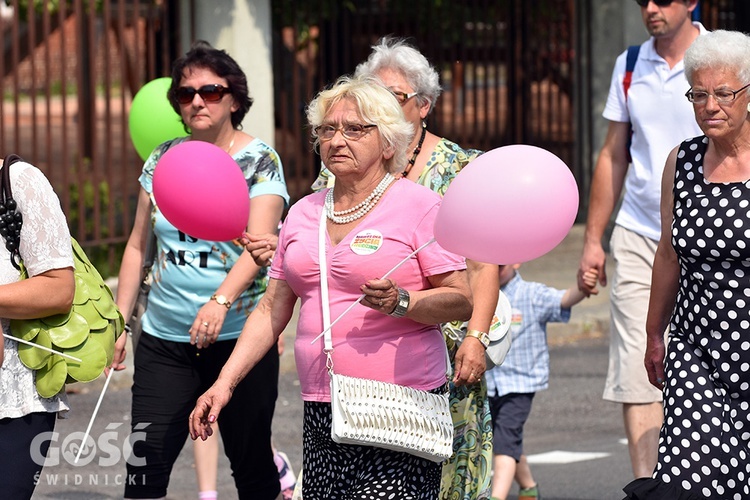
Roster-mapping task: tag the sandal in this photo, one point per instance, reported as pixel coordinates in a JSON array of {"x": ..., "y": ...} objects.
[{"x": 530, "y": 493}]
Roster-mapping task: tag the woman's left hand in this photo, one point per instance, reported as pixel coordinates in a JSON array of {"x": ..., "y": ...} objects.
[
  {"x": 470, "y": 362},
  {"x": 381, "y": 295},
  {"x": 207, "y": 324}
]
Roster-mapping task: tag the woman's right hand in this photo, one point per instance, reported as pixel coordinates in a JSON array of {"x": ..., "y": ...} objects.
[
  {"x": 654, "y": 360},
  {"x": 206, "y": 411},
  {"x": 118, "y": 360},
  {"x": 261, "y": 246}
]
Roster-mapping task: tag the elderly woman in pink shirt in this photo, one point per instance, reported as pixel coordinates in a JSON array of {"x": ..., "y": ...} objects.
[{"x": 372, "y": 221}]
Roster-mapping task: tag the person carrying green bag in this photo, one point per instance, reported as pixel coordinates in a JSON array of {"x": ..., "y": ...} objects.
[{"x": 48, "y": 290}]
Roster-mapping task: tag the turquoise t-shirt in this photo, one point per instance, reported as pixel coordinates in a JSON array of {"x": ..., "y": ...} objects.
[{"x": 187, "y": 271}]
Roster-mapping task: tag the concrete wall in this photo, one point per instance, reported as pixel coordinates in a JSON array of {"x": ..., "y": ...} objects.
[{"x": 243, "y": 29}]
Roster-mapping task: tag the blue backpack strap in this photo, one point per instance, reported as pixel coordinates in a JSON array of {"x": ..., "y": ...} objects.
[{"x": 630, "y": 61}]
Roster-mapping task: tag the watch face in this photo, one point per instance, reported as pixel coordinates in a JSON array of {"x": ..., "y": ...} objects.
[
  {"x": 221, "y": 300},
  {"x": 485, "y": 340}
]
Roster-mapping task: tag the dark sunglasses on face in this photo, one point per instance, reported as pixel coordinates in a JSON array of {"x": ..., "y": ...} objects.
[
  {"x": 659, "y": 3},
  {"x": 209, "y": 93}
]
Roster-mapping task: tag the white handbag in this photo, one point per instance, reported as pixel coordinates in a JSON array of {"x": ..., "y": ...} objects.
[
  {"x": 500, "y": 337},
  {"x": 375, "y": 413},
  {"x": 499, "y": 332}
]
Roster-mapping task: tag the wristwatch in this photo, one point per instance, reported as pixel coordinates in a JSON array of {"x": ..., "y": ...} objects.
[
  {"x": 220, "y": 299},
  {"x": 482, "y": 337},
  {"x": 402, "y": 305}
]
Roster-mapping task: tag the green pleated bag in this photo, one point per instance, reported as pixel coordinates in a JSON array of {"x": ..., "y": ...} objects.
[{"x": 87, "y": 332}]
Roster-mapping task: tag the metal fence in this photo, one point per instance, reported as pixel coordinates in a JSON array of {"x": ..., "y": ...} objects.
[
  {"x": 69, "y": 72},
  {"x": 511, "y": 70},
  {"x": 505, "y": 66}
]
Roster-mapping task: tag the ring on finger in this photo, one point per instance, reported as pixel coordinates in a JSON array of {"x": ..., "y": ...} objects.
[{"x": 205, "y": 323}]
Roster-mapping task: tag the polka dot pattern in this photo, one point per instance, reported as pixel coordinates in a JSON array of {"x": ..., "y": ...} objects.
[
  {"x": 704, "y": 445},
  {"x": 343, "y": 471}
]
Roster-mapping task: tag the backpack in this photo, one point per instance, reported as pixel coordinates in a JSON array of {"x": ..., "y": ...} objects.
[
  {"x": 627, "y": 78},
  {"x": 84, "y": 337}
]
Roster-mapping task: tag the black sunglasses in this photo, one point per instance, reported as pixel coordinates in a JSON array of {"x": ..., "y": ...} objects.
[
  {"x": 659, "y": 3},
  {"x": 209, "y": 93}
]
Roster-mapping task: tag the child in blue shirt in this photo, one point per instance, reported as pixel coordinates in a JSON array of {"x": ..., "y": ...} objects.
[{"x": 512, "y": 385}]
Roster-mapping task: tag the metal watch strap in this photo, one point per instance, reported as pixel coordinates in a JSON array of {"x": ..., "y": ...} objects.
[
  {"x": 402, "y": 305},
  {"x": 482, "y": 337},
  {"x": 220, "y": 299}
]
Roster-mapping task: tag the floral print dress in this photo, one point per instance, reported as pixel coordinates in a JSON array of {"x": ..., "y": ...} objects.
[{"x": 466, "y": 476}]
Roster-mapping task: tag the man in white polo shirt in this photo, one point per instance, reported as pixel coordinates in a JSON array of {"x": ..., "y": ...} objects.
[{"x": 661, "y": 118}]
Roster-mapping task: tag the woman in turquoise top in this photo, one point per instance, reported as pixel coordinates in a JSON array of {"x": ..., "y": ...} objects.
[
  {"x": 201, "y": 295},
  {"x": 434, "y": 162}
]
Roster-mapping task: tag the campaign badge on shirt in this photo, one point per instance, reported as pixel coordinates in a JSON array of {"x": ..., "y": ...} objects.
[
  {"x": 516, "y": 320},
  {"x": 367, "y": 242}
]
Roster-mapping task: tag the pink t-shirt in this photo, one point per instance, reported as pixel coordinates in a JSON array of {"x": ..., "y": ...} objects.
[{"x": 366, "y": 342}]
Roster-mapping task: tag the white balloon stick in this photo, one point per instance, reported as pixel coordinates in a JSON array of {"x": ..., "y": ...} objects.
[
  {"x": 32, "y": 344},
  {"x": 404, "y": 261},
  {"x": 96, "y": 410}
]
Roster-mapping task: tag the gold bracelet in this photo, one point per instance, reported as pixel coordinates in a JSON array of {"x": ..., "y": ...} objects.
[{"x": 482, "y": 337}]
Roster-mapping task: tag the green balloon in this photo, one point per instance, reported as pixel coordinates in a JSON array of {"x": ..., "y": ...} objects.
[{"x": 152, "y": 119}]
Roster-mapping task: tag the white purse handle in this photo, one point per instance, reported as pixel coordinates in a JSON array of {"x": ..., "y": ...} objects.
[{"x": 325, "y": 304}]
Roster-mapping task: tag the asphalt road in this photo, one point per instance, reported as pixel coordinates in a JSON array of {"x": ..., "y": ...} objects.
[{"x": 573, "y": 438}]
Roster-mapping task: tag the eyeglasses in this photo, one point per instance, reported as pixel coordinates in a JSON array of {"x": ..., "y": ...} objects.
[
  {"x": 658, "y": 3},
  {"x": 402, "y": 97},
  {"x": 720, "y": 96},
  {"x": 351, "y": 131},
  {"x": 209, "y": 93}
]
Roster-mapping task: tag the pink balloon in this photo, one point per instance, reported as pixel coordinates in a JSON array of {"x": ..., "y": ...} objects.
[
  {"x": 510, "y": 205},
  {"x": 202, "y": 191}
]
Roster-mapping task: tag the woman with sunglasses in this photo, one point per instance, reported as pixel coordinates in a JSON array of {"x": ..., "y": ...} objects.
[{"x": 201, "y": 295}]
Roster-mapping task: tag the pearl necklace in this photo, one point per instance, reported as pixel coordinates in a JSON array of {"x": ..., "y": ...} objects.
[{"x": 358, "y": 211}]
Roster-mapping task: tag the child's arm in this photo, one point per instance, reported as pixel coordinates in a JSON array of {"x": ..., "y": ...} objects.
[{"x": 573, "y": 295}]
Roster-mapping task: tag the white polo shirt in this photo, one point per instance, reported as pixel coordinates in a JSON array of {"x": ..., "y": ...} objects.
[{"x": 662, "y": 118}]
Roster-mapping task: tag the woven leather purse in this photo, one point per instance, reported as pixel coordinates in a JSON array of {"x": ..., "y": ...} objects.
[{"x": 375, "y": 413}]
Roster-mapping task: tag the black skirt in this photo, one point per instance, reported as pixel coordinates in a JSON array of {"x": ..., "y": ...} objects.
[{"x": 647, "y": 488}]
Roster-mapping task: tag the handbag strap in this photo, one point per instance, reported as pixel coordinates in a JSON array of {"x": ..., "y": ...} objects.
[
  {"x": 10, "y": 218},
  {"x": 148, "y": 262},
  {"x": 326, "y": 307},
  {"x": 325, "y": 304}
]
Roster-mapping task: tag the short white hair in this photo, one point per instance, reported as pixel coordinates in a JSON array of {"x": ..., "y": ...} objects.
[
  {"x": 720, "y": 49},
  {"x": 397, "y": 55},
  {"x": 376, "y": 105}
]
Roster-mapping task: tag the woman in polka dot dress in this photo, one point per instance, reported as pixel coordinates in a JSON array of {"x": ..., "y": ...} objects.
[{"x": 701, "y": 288}]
